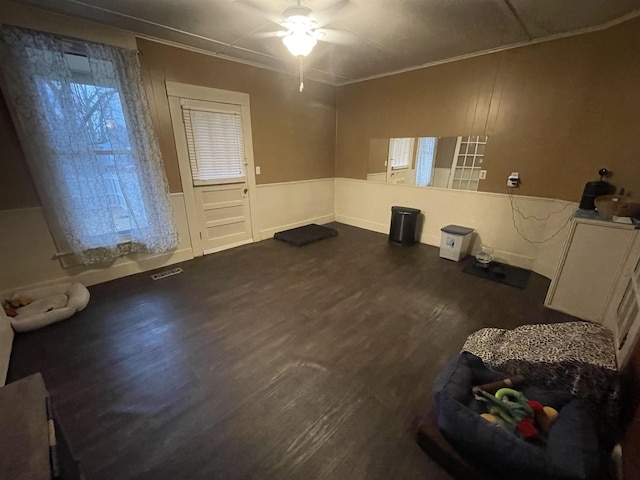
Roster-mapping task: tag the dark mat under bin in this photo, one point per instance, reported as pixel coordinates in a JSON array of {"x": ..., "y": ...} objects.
[
  {"x": 304, "y": 235},
  {"x": 500, "y": 272}
]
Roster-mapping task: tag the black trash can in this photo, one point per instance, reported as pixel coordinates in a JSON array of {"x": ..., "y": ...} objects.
[{"x": 404, "y": 221}]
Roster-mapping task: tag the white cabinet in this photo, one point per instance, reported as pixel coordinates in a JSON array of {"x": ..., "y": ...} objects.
[
  {"x": 593, "y": 259},
  {"x": 622, "y": 315}
]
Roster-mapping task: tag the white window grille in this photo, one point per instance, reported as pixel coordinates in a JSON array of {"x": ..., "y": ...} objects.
[{"x": 467, "y": 163}]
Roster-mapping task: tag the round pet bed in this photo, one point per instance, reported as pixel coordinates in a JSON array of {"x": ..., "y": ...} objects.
[
  {"x": 49, "y": 305},
  {"x": 571, "y": 450}
]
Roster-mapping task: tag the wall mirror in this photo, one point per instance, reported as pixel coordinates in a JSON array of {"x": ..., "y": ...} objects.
[{"x": 444, "y": 162}]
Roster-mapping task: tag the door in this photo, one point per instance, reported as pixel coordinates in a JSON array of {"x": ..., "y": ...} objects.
[
  {"x": 215, "y": 155},
  {"x": 224, "y": 216},
  {"x": 467, "y": 161},
  {"x": 400, "y": 161},
  {"x": 622, "y": 315}
]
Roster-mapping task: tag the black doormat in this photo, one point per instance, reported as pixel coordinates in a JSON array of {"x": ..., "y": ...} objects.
[
  {"x": 500, "y": 272},
  {"x": 303, "y": 235}
]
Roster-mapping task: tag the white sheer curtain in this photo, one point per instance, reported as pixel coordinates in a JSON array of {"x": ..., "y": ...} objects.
[
  {"x": 424, "y": 163},
  {"x": 86, "y": 131}
]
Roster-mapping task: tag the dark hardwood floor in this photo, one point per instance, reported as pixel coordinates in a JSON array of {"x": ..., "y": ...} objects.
[{"x": 268, "y": 361}]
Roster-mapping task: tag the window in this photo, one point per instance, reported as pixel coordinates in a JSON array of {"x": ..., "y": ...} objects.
[
  {"x": 81, "y": 113},
  {"x": 216, "y": 144},
  {"x": 425, "y": 159},
  {"x": 99, "y": 114}
]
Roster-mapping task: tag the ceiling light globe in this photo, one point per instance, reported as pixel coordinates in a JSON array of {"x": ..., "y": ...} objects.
[{"x": 299, "y": 44}]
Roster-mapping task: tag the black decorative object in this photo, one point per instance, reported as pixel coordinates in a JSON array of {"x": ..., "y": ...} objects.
[
  {"x": 304, "y": 235},
  {"x": 596, "y": 189}
]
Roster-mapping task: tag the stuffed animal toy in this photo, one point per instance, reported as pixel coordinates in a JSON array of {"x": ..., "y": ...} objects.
[
  {"x": 509, "y": 407},
  {"x": 11, "y": 305}
]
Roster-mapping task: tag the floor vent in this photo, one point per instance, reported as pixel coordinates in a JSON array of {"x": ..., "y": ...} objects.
[{"x": 166, "y": 273}]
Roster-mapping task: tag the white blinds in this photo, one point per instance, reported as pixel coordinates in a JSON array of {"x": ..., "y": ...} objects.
[
  {"x": 401, "y": 152},
  {"x": 216, "y": 145}
]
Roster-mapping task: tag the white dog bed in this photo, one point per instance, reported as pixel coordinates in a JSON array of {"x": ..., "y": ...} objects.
[{"x": 49, "y": 305}]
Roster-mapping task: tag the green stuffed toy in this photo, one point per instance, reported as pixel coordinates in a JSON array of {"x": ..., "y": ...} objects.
[{"x": 511, "y": 407}]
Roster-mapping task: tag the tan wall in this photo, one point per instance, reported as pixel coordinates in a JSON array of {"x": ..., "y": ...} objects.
[
  {"x": 293, "y": 132},
  {"x": 555, "y": 112},
  {"x": 378, "y": 155},
  {"x": 16, "y": 187}
]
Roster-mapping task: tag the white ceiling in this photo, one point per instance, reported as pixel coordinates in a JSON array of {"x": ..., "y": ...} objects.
[{"x": 383, "y": 36}]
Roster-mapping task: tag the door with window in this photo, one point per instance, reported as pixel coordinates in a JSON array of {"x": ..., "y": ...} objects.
[
  {"x": 400, "y": 167},
  {"x": 213, "y": 140}
]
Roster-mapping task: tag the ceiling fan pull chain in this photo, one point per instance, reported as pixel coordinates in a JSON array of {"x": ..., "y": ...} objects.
[{"x": 301, "y": 79}]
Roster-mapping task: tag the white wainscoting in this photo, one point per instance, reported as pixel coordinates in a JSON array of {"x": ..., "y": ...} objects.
[
  {"x": 280, "y": 206},
  {"x": 27, "y": 252},
  {"x": 377, "y": 177},
  {"x": 368, "y": 205}
]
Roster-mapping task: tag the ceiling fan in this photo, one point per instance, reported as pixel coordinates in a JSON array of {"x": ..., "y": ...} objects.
[{"x": 303, "y": 28}]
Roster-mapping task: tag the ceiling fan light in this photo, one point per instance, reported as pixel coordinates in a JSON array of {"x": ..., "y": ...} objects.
[{"x": 299, "y": 43}]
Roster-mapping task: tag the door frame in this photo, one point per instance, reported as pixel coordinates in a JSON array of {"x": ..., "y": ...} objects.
[{"x": 176, "y": 92}]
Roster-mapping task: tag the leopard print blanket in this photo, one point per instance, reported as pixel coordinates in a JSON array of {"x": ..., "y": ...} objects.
[{"x": 574, "y": 357}]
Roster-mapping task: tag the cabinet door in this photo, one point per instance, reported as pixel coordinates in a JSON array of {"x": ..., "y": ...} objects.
[
  {"x": 622, "y": 316},
  {"x": 589, "y": 268}
]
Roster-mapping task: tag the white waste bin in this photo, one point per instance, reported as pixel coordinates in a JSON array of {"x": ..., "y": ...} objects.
[{"x": 455, "y": 241}]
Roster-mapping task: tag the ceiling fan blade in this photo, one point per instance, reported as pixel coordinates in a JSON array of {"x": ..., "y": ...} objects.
[
  {"x": 334, "y": 11},
  {"x": 338, "y": 37},
  {"x": 276, "y": 34},
  {"x": 255, "y": 8}
]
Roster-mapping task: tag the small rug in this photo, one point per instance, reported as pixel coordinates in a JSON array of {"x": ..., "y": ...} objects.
[
  {"x": 500, "y": 272},
  {"x": 304, "y": 235}
]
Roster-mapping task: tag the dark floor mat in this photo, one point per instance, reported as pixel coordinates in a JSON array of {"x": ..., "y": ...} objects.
[
  {"x": 307, "y": 234},
  {"x": 500, "y": 272}
]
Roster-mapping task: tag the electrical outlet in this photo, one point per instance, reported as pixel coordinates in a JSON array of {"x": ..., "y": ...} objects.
[
  {"x": 483, "y": 174},
  {"x": 257, "y": 170},
  {"x": 513, "y": 180}
]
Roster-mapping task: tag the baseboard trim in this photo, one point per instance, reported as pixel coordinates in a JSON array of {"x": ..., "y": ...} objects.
[
  {"x": 119, "y": 270},
  {"x": 500, "y": 255},
  {"x": 270, "y": 232},
  {"x": 227, "y": 247},
  {"x": 514, "y": 259},
  {"x": 544, "y": 268},
  {"x": 360, "y": 223}
]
